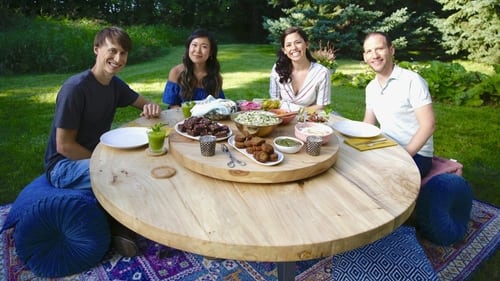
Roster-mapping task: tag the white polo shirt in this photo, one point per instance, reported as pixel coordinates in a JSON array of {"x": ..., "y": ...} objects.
[{"x": 394, "y": 106}]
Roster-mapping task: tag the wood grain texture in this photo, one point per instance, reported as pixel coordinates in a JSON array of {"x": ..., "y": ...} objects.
[
  {"x": 293, "y": 167},
  {"x": 363, "y": 197}
]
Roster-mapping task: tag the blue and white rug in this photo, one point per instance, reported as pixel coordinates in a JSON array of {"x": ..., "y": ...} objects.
[{"x": 399, "y": 256}]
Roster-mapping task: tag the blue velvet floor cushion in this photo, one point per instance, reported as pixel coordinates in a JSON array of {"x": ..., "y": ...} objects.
[
  {"x": 58, "y": 232},
  {"x": 398, "y": 256},
  {"x": 443, "y": 209}
]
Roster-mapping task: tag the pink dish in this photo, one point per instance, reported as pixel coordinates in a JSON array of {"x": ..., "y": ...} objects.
[
  {"x": 249, "y": 105},
  {"x": 303, "y": 130}
]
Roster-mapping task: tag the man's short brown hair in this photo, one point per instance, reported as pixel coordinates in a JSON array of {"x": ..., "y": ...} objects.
[{"x": 116, "y": 35}]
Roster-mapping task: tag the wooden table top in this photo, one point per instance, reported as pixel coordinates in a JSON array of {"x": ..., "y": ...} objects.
[
  {"x": 293, "y": 166},
  {"x": 363, "y": 197}
]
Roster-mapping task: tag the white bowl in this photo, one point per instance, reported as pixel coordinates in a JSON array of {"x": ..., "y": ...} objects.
[
  {"x": 288, "y": 148},
  {"x": 303, "y": 130}
]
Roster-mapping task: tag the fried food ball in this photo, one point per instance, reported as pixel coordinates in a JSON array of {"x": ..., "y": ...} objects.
[
  {"x": 273, "y": 157},
  {"x": 256, "y": 141},
  {"x": 248, "y": 143},
  {"x": 239, "y": 138},
  {"x": 268, "y": 148},
  {"x": 239, "y": 144},
  {"x": 261, "y": 156}
]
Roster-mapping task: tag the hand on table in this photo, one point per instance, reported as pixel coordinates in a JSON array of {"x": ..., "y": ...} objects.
[{"x": 151, "y": 110}]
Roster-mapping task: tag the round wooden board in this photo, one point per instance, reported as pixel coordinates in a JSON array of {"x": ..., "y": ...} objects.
[{"x": 294, "y": 167}]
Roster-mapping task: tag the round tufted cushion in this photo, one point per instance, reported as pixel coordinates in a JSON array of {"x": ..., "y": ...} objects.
[
  {"x": 58, "y": 232},
  {"x": 443, "y": 209}
]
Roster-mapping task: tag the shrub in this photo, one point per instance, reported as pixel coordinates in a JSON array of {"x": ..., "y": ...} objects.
[
  {"x": 448, "y": 83},
  {"x": 487, "y": 92},
  {"x": 60, "y": 45},
  {"x": 340, "y": 79},
  {"x": 362, "y": 79},
  {"x": 325, "y": 55},
  {"x": 452, "y": 83}
]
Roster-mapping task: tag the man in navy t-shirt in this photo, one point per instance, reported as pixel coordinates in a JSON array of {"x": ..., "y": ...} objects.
[{"x": 85, "y": 108}]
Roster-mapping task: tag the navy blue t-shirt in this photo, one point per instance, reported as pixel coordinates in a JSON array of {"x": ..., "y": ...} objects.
[{"x": 86, "y": 105}]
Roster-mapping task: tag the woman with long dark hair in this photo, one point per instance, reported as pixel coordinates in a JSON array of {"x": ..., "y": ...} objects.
[
  {"x": 296, "y": 78},
  {"x": 199, "y": 74}
]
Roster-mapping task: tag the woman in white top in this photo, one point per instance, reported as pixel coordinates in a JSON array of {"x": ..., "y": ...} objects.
[{"x": 296, "y": 77}]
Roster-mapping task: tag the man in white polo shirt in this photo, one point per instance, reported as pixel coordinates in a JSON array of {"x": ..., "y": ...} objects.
[{"x": 399, "y": 100}]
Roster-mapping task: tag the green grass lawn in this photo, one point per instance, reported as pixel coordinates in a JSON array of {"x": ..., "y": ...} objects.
[{"x": 469, "y": 135}]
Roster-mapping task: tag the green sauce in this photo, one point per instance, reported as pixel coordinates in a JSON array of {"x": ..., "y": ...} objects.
[{"x": 287, "y": 142}]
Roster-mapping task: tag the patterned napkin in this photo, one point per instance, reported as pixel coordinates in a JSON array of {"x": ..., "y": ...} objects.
[{"x": 363, "y": 144}]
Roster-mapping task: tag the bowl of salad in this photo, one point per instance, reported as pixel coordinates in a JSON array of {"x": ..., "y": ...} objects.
[
  {"x": 288, "y": 144},
  {"x": 258, "y": 123}
]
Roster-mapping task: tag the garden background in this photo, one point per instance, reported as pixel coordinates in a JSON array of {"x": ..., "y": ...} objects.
[{"x": 454, "y": 47}]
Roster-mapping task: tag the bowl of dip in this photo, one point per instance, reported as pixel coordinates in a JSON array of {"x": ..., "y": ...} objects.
[
  {"x": 305, "y": 129},
  {"x": 288, "y": 144}
]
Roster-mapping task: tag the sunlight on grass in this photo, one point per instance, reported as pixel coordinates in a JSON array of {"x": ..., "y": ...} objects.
[
  {"x": 28, "y": 102},
  {"x": 350, "y": 67},
  {"x": 27, "y": 105},
  {"x": 149, "y": 86},
  {"x": 237, "y": 79},
  {"x": 479, "y": 67}
]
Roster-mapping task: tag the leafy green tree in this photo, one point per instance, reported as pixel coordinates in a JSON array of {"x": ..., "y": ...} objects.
[
  {"x": 345, "y": 23},
  {"x": 242, "y": 18},
  {"x": 472, "y": 28}
]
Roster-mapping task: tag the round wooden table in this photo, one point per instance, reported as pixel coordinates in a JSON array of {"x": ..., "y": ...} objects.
[{"x": 363, "y": 197}]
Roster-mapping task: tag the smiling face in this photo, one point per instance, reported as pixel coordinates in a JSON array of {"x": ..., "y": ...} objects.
[
  {"x": 378, "y": 55},
  {"x": 110, "y": 58},
  {"x": 295, "y": 47},
  {"x": 199, "y": 50}
]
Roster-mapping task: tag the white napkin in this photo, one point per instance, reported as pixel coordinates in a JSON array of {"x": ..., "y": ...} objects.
[
  {"x": 221, "y": 106},
  {"x": 290, "y": 106}
]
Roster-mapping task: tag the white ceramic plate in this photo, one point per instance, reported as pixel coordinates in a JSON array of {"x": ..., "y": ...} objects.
[
  {"x": 230, "y": 141},
  {"x": 198, "y": 137},
  {"x": 356, "y": 129},
  {"x": 127, "y": 137}
]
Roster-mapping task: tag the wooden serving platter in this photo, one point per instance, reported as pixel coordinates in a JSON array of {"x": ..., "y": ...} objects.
[{"x": 294, "y": 167}]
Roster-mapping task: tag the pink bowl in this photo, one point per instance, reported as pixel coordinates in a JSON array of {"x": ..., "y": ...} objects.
[
  {"x": 303, "y": 130},
  {"x": 249, "y": 105}
]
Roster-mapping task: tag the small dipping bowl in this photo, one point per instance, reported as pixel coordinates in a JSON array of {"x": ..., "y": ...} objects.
[{"x": 288, "y": 144}]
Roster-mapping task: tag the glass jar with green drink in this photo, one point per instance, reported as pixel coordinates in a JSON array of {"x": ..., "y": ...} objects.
[
  {"x": 156, "y": 137},
  {"x": 186, "y": 108}
]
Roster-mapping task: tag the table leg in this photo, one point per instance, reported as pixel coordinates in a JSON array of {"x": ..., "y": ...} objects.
[{"x": 286, "y": 271}]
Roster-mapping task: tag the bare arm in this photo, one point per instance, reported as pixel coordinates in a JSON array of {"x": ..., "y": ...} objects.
[
  {"x": 174, "y": 73},
  {"x": 315, "y": 107},
  {"x": 426, "y": 122},
  {"x": 67, "y": 145},
  {"x": 370, "y": 117},
  {"x": 149, "y": 109}
]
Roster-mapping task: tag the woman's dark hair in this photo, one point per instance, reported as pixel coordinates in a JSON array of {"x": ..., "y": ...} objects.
[
  {"x": 284, "y": 65},
  {"x": 115, "y": 35},
  {"x": 212, "y": 83}
]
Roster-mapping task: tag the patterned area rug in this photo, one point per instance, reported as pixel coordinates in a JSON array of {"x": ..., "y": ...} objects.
[{"x": 163, "y": 263}]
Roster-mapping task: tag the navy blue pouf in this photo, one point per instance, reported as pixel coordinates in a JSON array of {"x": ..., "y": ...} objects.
[
  {"x": 443, "y": 209},
  {"x": 58, "y": 232}
]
